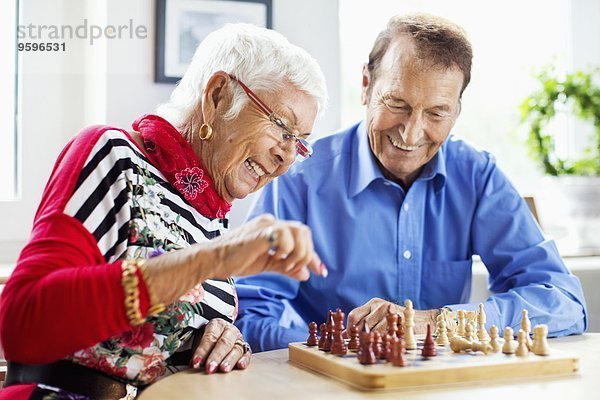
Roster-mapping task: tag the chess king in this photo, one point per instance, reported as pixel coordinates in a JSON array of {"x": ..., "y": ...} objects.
[{"x": 398, "y": 206}]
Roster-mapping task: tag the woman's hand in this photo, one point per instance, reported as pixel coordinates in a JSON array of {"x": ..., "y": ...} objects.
[
  {"x": 261, "y": 245},
  {"x": 221, "y": 348},
  {"x": 267, "y": 245}
]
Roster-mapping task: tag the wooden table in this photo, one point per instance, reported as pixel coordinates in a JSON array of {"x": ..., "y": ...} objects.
[{"x": 271, "y": 376}]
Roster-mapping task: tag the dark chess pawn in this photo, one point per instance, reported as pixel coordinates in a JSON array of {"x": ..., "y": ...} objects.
[
  {"x": 323, "y": 337},
  {"x": 429, "y": 345},
  {"x": 327, "y": 345},
  {"x": 389, "y": 344},
  {"x": 398, "y": 359},
  {"x": 367, "y": 354},
  {"x": 338, "y": 344},
  {"x": 400, "y": 332},
  {"x": 354, "y": 338},
  {"x": 392, "y": 322},
  {"x": 378, "y": 348},
  {"x": 312, "y": 340}
]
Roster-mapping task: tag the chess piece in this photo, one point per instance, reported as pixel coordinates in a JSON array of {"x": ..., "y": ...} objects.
[
  {"x": 461, "y": 330},
  {"x": 442, "y": 337},
  {"x": 526, "y": 326},
  {"x": 338, "y": 344},
  {"x": 400, "y": 332},
  {"x": 540, "y": 340},
  {"x": 312, "y": 340},
  {"x": 378, "y": 345},
  {"x": 389, "y": 343},
  {"x": 367, "y": 354},
  {"x": 409, "y": 326},
  {"x": 361, "y": 342},
  {"x": 469, "y": 332},
  {"x": 522, "y": 349},
  {"x": 392, "y": 322},
  {"x": 323, "y": 338},
  {"x": 450, "y": 319},
  {"x": 398, "y": 359},
  {"x": 354, "y": 338},
  {"x": 327, "y": 345},
  {"x": 471, "y": 318},
  {"x": 484, "y": 347},
  {"x": 458, "y": 344},
  {"x": 482, "y": 334},
  {"x": 494, "y": 339},
  {"x": 509, "y": 342},
  {"x": 429, "y": 345}
]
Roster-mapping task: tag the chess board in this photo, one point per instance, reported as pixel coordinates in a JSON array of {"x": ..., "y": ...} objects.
[{"x": 446, "y": 368}]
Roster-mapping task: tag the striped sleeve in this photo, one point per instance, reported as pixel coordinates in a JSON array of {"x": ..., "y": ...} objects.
[{"x": 63, "y": 295}]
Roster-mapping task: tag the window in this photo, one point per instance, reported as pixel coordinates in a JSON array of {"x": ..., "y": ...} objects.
[
  {"x": 510, "y": 39},
  {"x": 8, "y": 101}
]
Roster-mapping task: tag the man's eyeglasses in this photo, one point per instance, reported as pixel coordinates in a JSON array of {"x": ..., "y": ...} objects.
[{"x": 303, "y": 148}]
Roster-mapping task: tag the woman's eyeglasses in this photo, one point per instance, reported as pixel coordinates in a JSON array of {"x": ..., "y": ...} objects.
[{"x": 303, "y": 148}]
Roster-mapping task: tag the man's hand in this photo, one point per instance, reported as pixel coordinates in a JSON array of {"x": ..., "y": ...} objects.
[{"x": 374, "y": 313}]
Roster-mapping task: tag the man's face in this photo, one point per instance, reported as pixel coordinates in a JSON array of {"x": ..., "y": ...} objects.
[{"x": 411, "y": 108}]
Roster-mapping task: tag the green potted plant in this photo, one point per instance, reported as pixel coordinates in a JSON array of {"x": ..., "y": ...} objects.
[{"x": 578, "y": 178}]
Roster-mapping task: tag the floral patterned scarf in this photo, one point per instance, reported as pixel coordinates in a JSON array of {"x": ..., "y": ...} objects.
[{"x": 175, "y": 158}]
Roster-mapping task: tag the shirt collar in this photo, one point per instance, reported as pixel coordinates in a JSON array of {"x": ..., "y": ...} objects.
[{"x": 364, "y": 168}]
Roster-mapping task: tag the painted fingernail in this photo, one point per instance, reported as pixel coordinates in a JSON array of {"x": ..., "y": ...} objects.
[
  {"x": 196, "y": 362},
  {"x": 242, "y": 363},
  {"x": 225, "y": 367},
  {"x": 283, "y": 256},
  {"x": 324, "y": 271},
  {"x": 211, "y": 367}
]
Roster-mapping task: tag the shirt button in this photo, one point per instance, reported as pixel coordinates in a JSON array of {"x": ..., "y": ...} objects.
[
  {"x": 406, "y": 207},
  {"x": 406, "y": 254}
]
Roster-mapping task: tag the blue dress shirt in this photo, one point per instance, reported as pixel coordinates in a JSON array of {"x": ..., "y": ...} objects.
[{"x": 378, "y": 240}]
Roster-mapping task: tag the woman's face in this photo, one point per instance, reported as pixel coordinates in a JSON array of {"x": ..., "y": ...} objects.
[{"x": 246, "y": 153}]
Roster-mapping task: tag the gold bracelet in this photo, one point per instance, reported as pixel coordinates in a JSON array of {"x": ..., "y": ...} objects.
[
  {"x": 155, "y": 306},
  {"x": 130, "y": 282}
]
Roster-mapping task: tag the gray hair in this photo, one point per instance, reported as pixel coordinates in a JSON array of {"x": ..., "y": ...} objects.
[
  {"x": 261, "y": 58},
  {"x": 438, "y": 41}
]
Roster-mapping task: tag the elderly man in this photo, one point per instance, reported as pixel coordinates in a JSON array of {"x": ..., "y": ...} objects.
[{"x": 398, "y": 207}]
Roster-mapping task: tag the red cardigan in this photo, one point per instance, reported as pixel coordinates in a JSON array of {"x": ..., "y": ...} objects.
[{"x": 62, "y": 295}]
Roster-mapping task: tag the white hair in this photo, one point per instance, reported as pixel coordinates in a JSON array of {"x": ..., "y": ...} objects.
[{"x": 261, "y": 58}]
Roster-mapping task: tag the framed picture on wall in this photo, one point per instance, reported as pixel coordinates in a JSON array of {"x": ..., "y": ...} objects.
[{"x": 182, "y": 24}]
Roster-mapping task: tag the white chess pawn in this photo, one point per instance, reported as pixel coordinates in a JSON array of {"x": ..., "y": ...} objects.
[
  {"x": 522, "y": 349},
  {"x": 482, "y": 334},
  {"x": 526, "y": 326},
  {"x": 509, "y": 342},
  {"x": 442, "y": 337},
  {"x": 461, "y": 323},
  {"x": 437, "y": 324},
  {"x": 540, "y": 340},
  {"x": 409, "y": 326},
  {"x": 494, "y": 339},
  {"x": 469, "y": 332}
]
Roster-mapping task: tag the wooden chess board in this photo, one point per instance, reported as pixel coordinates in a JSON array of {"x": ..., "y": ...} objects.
[{"x": 446, "y": 368}]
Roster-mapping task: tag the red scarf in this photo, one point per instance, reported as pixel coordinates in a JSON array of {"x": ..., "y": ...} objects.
[{"x": 175, "y": 158}]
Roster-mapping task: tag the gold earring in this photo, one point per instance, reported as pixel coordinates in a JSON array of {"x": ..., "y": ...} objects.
[{"x": 205, "y": 132}]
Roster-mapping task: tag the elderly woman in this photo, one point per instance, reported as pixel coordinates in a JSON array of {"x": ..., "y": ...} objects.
[{"x": 126, "y": 277}]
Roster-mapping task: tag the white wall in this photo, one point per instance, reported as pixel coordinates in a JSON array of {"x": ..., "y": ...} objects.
[{"x": 112, "y": 82}]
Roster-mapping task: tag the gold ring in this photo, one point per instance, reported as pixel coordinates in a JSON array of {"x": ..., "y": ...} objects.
[{"x": 243, "y": 345}]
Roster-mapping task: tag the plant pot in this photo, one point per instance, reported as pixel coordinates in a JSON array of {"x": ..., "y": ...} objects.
[{"x": 581, "y": 206}]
